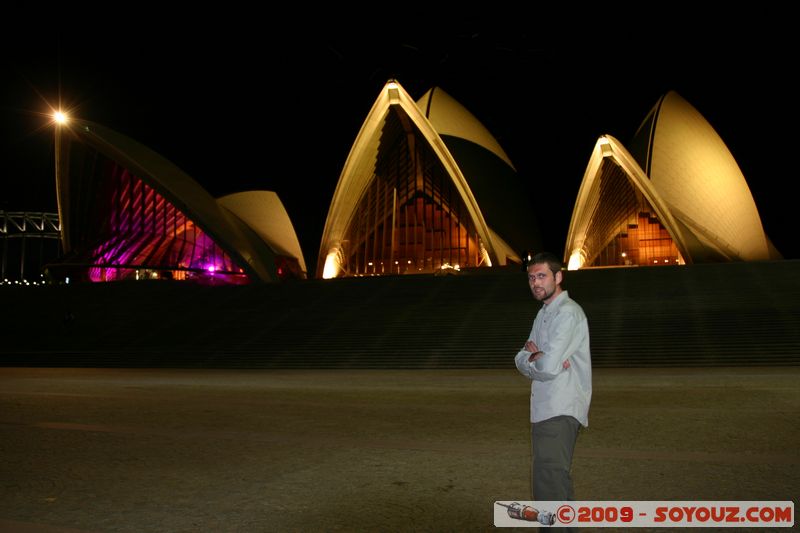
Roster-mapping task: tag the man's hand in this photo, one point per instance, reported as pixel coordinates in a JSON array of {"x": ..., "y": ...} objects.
[{"x": 537, "y": 354}]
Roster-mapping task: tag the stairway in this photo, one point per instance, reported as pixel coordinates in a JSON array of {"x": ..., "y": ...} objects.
[{"x": 732, "y": 314}]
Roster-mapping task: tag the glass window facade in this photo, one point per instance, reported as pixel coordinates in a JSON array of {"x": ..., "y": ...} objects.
[
  {"x": 124, "y": 229},
  {"x": 410, "y": 219},
  {"x": 623, "y": 229}
]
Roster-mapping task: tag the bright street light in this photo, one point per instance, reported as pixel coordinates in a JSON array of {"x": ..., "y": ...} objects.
[{"x": 60, "y": 117}]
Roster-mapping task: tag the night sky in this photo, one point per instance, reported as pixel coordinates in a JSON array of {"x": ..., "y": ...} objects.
[{"x": 240, "y": 102}]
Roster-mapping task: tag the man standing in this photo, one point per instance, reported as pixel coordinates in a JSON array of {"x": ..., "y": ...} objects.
[{"x": 556, "y": 358}]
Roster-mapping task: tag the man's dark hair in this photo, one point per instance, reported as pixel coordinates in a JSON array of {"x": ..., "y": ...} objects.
[{"x": 553, "y": 262}]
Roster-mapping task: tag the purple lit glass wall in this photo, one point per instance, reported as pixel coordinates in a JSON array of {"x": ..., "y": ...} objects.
[{"x": 142, "y": 235}]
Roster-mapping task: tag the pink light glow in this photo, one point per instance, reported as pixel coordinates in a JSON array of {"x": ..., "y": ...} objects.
[{"x": 145, "y": 231}]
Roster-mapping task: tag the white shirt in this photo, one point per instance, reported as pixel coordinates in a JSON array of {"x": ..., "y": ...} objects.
[{"x": 561, "y": 332}]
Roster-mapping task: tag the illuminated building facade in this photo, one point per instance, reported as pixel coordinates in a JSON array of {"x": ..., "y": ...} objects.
[
  {"x": 677, "y": 197},
  {"x": 127, "y": 213},
  {"x": 425, "y": 187}
]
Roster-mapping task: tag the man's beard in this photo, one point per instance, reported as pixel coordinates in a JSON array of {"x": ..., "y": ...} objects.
[{"x": 546, "y": 295}]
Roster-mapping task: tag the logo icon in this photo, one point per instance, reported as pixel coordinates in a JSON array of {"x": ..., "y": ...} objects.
[{"x": 529, "y": 514}]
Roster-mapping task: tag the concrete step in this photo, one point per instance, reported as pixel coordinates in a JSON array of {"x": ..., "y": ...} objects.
[{"x": 696, "y": 315}]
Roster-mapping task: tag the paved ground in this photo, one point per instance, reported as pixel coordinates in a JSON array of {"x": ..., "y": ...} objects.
[{"x": 96, "y": 450}]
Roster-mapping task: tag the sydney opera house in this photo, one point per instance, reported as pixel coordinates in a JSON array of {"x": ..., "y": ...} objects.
[
  {"x": 676, "y": 196},
  {"x": 128, "y": 213},
  {"x": 424, "y": 188}
]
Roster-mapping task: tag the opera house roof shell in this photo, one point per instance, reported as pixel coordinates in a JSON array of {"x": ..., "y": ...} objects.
[
  {"x": 126, "y": 212},
  {"x": 425, "y": 186},
  {"x": 677, "y": 196}
]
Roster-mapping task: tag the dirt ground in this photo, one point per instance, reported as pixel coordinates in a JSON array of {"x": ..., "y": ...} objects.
[{"x": 107, "y": 450}]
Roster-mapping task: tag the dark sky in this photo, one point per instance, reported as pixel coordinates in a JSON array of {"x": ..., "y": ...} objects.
[{"x": 243, "y": 102}]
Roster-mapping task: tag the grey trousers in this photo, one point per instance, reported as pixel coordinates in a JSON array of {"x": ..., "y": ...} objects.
[{"x": 553, "y": 444}]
